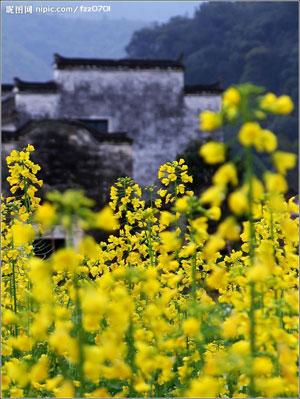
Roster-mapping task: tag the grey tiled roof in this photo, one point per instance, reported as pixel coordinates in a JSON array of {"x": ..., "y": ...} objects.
[
  {"x": 129, "y": 63},
  {"x": 200, "y": 89},
  {"x": 40, "y": 87}
]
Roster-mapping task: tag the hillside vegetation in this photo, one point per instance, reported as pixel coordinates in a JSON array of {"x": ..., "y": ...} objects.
[
  {"x": 235, "y": 43},
  {"x": 28, "y": 46}
]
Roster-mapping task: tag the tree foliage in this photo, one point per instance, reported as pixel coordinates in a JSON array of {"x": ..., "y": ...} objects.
[{"x": 234, "y": 42}]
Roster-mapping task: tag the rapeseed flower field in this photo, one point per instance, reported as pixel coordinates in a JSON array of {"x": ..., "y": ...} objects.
[{"x": 188, "y": 297}]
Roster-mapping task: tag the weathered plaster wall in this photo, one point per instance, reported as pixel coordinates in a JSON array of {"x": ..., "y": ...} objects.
[
  {"x": 37, "y": 105},
  {"x": 148, "y": 105},
  {"x": 193, "y": 105}
]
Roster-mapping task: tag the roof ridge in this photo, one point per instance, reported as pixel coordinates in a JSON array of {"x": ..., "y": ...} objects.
[
  {"x": 204, "y": 88},
  {"x": 61, "y": 62},
  {"x": 23, "y": 85}
]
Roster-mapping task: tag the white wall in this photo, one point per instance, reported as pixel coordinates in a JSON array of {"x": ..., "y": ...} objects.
[
  {"x": 194, "y": 104},
  {"x": 146, "y": 104},
  {"x": 149, "y": 105},
  {"x": 68, "y": 79},
  {"x": 37, "y": 105}
]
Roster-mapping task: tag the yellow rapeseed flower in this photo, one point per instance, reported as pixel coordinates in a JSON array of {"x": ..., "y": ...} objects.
[
  {"x": 106, "y": 220},
  {"x": 9, "y": 317},
  {"x": 45, "y": 215},
  {"x": 275, "y": 182},
  {"x": 191, "y": 327},
  {"x": 65, "y": 259},
  {"x": 65, "y": 390},
  {"x": 271, "y": 386},
  {"x": 213, "y": 152},
  {"x": 268, "y": 101},
  {"x": 229, "y": 229},
  {"x": 225, "y": 174},
  {"x": 266, "y": 141},
  {"x": 218, "y": 278},
  {"x": 170, "y": 241},
  {"x": 230, "y": 327},
  {"x": 203, "y": 387},
  {"x": 214, "y": 213},
  {"x": 141, "y": 386},
  {"x": 262, "y": 366},
  {"x": 238, "y": 202},
  {"x": 282, "y": 105},
  {"x": 210, "y": 121},
  {"x": 181, "y": 204},
  {"x": 249, "y": 133},
  {"x": 283, "y": 161},
  {"x": 39, "y": 372},
  {"x": 231, "y": 97},
  {"x": 258, "y": 273},
  {"x": 214, "y": 196},
  {"x": 166, "y": 218},
  {"x": 22, "y": 234}
]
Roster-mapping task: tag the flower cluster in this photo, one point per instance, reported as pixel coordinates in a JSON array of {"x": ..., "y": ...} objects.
[{"x": 183, "y": 299}]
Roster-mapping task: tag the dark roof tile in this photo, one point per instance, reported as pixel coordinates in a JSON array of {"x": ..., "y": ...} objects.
[
  {"x": 70, "y": 63},
  {"x": 214, "y": 88},
  {"x": 6, "y": 87},
  {"x": 117, "y": 137},
  {"x": 35, "y": 87}
]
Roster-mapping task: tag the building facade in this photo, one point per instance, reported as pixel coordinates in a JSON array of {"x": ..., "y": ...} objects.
[{"x": 138, "y": 109}]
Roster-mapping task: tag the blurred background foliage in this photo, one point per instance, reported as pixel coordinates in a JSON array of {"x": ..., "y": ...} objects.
[{"x": 235, "y": 42}]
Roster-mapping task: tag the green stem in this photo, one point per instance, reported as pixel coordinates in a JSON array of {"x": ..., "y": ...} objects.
[
  {"x": 131, "y": 357},
  {"x": 80, "y": 339},
  {"x": 14, "y": 292},
  {"x": 252, "y": 244},
  {"x": 194, "y": 285},
  {"x": 26, "y": 196},
  {"x": 78, "y": 320},
  {"x": 69, "y": 237},
  {"x": 150, "y": 247}
]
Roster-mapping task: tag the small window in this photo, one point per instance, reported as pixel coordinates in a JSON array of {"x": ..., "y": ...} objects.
[
  {"x": 44, "y": 247},
  {"x": 100, "y": 125}
]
